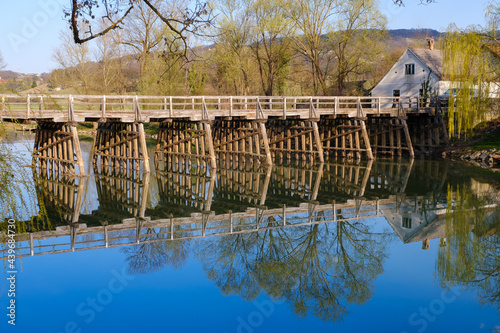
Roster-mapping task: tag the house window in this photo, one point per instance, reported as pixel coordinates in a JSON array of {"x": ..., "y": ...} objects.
[
  {"x": 406, "y": 222},
  {"x": 409, "y": 69},
  {"x": 421, "y": 92},
  {"x": 396, "y": 93}
]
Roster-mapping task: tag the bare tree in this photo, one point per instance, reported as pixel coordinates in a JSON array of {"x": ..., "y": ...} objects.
[
  {"x": 76, "y": 59},
  {"x": 143, "y": 32},
  {"x": 312, "y": 19},
  {"x": 2, "y": 63},
  {"x": 192, "y": 20}
]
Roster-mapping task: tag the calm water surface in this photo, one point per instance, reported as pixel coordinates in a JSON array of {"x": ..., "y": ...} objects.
[{"x": 388, "y": 246}]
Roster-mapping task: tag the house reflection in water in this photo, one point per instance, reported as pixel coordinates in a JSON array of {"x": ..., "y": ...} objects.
[{"x": 426, "y": 219}]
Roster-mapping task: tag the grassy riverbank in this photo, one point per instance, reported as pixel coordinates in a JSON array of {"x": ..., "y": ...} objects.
[{"x": 482, "y": 149}]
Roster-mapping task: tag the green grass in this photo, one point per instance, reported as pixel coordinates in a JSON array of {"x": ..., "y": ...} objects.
[
  {"x": 87, "y": 125},
  {"x": 489, "y": 141},
  {"x": 151, "y": 128},
  {"x": 85, "y": 138}
]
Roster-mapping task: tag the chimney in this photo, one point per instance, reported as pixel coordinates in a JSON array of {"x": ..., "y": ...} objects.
[
  {"x": 430, "y": 43},
  {"x": 425, "y": 244}
]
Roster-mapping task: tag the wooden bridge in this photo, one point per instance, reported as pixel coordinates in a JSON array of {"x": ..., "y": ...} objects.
[{"x": 234, "y": 129}]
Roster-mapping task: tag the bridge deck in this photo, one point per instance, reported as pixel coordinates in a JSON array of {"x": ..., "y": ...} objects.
[{"x": 128, "y": 108}]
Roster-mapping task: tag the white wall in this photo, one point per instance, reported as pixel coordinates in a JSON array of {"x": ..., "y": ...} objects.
[{"x": 409, "y": 85}]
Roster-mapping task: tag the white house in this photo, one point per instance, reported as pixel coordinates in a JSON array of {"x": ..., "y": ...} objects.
[{"x": 412, "y": 69}]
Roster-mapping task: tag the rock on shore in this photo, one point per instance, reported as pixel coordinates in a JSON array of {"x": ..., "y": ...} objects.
[{"x": 482, "y": 158}]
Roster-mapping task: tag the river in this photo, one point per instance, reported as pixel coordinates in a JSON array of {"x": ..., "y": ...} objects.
[{"x": 382, "y": 246}]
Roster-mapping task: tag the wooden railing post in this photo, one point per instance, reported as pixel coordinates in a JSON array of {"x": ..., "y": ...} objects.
[
  {"x": 230, "y": 106},
  {"x": 312, "y": 110},
  {"x": 284, "y": 107},
  {"x": 28, "y": 106},
  {"x": 259, "y": 113},
  {"x": 204, "y": 111},
  {"x": 360, "y": 109},
  {"x": 138, "y": 115},
  {"x": 103, "y": 107},
  {"x": 170, "y": 107},
  {"x": 71, "y": 116}
]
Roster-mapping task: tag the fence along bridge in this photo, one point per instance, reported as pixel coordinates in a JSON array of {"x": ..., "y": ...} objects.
[
  {"x": 233, "y": 129},
  {"x": 194, "y": 202}
]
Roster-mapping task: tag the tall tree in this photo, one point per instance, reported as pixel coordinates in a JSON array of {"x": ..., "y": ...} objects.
[
  {"x": 76, "y": 59},
  {"x": 232, "y": 56},
  {"x": 143, "y": 32},
  {"x": 109, "y": 55},
  {"x": 271, "y": 44},
  {"x": 357, "y": 41},
  {"x": 468, "y": 64},
  {"x": 312, "y": 18}
]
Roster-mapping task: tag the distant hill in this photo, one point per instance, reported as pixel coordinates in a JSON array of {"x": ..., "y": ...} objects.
[
  {"x": 9, "y": 75},
  {"x": 414, "y": 33}
]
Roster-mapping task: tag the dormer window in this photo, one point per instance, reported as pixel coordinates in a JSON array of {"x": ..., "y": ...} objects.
[{"x": 409, "y": 69}]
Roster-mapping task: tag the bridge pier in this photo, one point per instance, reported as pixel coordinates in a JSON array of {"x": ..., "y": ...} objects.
[
  {"x": 184, "y": 190},
  {"x": 427, "y": 132},
  {"x": 120, "y": 145},
  {"x": 179, "y": 141},
  {"x": 389, "y": 136},
  {"x": 294, "y": 138},
  {"x": 57, "y": 148},
  {"x": 59, "y": 195},
  {"x": 345, "y": 137},
  {"x": 240, "y": 140},
  {"x": 121, "y": 192}
]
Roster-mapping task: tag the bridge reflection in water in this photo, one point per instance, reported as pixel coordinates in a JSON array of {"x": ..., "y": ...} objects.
[{"x": 197, "y": 202}]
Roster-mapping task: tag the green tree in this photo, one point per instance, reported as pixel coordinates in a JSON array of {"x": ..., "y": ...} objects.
[
  {"x": 469, "y": 67},
  {"x": 233, "y": 58},
  {"x": 357, "y": 42},
  {"x": 271, "y": 44},
  {"x": 318, "y": 269},
  {"x": 471, "y": 258}
]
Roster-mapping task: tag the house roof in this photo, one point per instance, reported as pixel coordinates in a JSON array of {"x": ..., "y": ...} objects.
[{"x": 432, "y": 59}]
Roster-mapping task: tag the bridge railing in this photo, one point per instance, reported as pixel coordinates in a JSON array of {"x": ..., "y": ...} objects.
[{"x": 145, "y": 108}]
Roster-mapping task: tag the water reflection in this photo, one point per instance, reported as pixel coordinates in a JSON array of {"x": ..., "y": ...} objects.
[
  {"x": 312, "y": 235},
  {"x": 471, "y": 257},
  {"x": 318, "y": 269}
]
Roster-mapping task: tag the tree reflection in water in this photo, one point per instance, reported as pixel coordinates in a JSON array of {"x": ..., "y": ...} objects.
[
  {"x": 318, "y": 269},
  {"x": 471, "y": 258},
  {"x": 154, "y": 255}
]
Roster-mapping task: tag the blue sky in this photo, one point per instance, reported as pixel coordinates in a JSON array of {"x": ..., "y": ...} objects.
[{"x": 30, "y": 29}]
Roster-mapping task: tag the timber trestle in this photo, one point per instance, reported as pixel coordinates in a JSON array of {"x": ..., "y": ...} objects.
[
  {"x": 390, "y": 136},
  {"x": 201, "y": 130},
  {"x": 57, "y": 148},
  {"x": 120, "y": 145}
]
